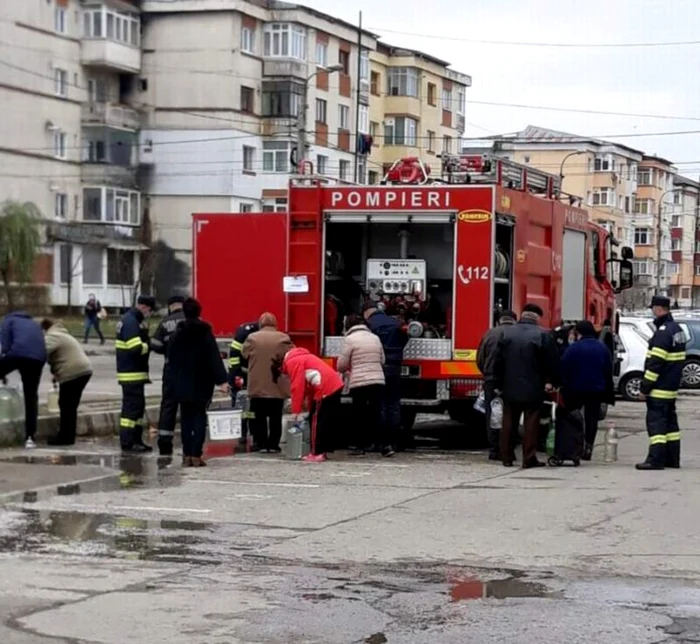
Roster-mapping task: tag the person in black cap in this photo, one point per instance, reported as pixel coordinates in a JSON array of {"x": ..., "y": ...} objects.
[
  {"x": 159, "y": 344},
  {"x": 663, "y": 370},
  {"x": 133, "y": 346},
  {"x": 527, "y": 365}
]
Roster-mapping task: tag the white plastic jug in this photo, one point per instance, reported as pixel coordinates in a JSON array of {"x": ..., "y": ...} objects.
[
  {"x": 52, "y": 403},
  {"x": 11, "y": 415}
]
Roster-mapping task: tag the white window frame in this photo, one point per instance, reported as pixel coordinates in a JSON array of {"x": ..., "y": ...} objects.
[
  {"x": 60, "y": 78},
  {"x": 59, "y": 144},
  {"x": 676, "y": 221},
  {"x": 431, "y": 141},
  {"x": 343, "y": 169},
  {"x": 604, "y": 163},
  {"x": 642, "y": 267},
  {"x": 675, "y": 244},
  {"x": 126, "y": 206},
  {"x": 244, "y": 207},
  {"x": 644, "y": 206},
  {"x": 321, "y": 110},
  {"x": 645, "y": 177},
  {"x": 60, "y": 20},
  {"x": 60, "y": 209},
  {"x": 120, "y": 26},
  {"x": 343, "y": 117},
  {"x": 284, "y": 40},
  {"x": 248, "y": 40},
  {"x": 603, "y": 197},
  {"x": 447, "y": 99},
  {"x": 697, "y": 269},
  {"x": 405, "y": 135},
  {"x": 363, "y": 119},
  {"x": 275, "y": 205},
  {"x": 677, "y": 198},
  {"x": 321, "y": 53},
  {"x": 321, "y": 164},
  {"x": 461, "y": 101},
  {"x": 276, "y": 157},
  {"x": 364, "y": 65},
  {"x": 403, "y": 81},
  {"x": 447, "y": 144},
  {"x": 643, "y": 236},
  {"x": 249, "y": 158}
]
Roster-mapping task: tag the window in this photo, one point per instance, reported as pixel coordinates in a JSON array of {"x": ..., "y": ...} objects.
[
  {"x": 644, "y": 207},
  {"x": 281, "y": 98},
  {"x": 432, "y": 94},
  {"x": 245, "y": 207},
  {"x": 363, "y": 115},
  {"x": 402, "y": 81},
  {"x": 343, "y": 117},
  {"x": 59, "y": 144},
  {"x": 59, "y": 20},
  {"x": 60, "y": 209},
  {"x": 60, "y": 77},
  {"x": 674, "y": 268},
  {"x": 627, "y": 204},
  {"x": 644, "y": 178},
  {"x": 431, "y": 141},
  {"x": 374, "y": 83},
  {"x": 685, "y": 294},
  {"x": 321, "y": 111},
  {"x": 120, "y": 267},
  {"x": 248, "y": 158},
  {"x": 373, "y": 131},
  {"x": 92, "y": 265},
  {"x": 344, "y": 170},
  {"x": 603, "y": 163},
  {"x": 275, "y": 156},
  {"x": 282, "y": 40},
  {"x": 276, "y": 205},
  {"x": 65, "y": 261},
  {"x": 321, "y": 54},
  {"x": 604, "y": 197},
  {"x": 447, "y": 99},
  {"x": 642, "y": 236},
  {"x": 676, "y": 221},
  {"x": 677, "y": 198},
  {"x": 109, "y": 205},
  {"x": 447, "y": 145},
  {"x": 461, "y": 100},
  {"x": 344, "y": 61},
  {"x": 642, "y": 267},
  {"x": 697, "y": 269},
  {"x": 372, "y": 177},
  {"x": 321, "y": 164},
  {"x": 400, "y": 131},
  {"x": 697, "y": 246},
  {"x": 247, "y": 99},
  {"x": 248, "y": 40},
  {"x": 675, "y": 244},
  {"x": 364, "y": 65},
  {"x": 105, "y": 22}
]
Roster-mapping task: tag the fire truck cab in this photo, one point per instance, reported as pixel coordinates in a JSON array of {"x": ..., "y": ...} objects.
[{"x": 444, "y": 255}]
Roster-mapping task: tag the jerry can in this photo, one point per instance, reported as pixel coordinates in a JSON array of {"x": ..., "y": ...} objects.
[
  {"x": 52, "y": 403},
  {"x": 11, "y": 415},
  {"x": 298, "y": 442}
]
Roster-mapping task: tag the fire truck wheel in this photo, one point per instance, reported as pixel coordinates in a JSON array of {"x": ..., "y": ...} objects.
[{"x": 408, "y": 419}]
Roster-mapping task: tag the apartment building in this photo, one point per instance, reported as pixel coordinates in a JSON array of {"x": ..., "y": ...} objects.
[
  {"x": 417, "y": 108},
  {"x": 684, "y": 278},
  {"x": 600, "y": 175},
  {"x": 225, "y": 82},
  {"x": 68, "y": 140}
]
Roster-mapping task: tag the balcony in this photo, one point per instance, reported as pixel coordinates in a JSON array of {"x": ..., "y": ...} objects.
[
  {"x": 111, "y": 39},
  {"x": 285, "y": 127},
  {"x": 110, "y": 157},
  {"x": 100, "y": 52},
  {"x": 108, "y": 174},
  {"x": 110, "y": 115},
  {"x": 285, "y": 67}
]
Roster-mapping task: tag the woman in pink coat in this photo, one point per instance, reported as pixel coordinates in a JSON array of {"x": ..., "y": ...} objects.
[{"x": 310, "y": 377}]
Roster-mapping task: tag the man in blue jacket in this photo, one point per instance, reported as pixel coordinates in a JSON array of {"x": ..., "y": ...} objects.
[
  {"x": 22, "y": 349},
  {"x": 393, "y": 339},
  {"x": 587, "y": 379}
]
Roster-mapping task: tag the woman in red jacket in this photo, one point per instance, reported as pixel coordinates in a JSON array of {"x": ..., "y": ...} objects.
[{"x": 310, "y": 377}]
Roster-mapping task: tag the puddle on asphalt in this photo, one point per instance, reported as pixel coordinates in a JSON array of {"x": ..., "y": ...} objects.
[{"x": 471, "y": 588}]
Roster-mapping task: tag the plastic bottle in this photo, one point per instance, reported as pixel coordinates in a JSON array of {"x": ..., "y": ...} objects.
[{"x": 611, "y": 443}]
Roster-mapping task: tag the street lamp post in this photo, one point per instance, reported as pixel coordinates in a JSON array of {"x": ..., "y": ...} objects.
[
  {"x": 658, "y": 236},
  {"x": 561, "y": 167},
  {"x": 301, "y": 119}
]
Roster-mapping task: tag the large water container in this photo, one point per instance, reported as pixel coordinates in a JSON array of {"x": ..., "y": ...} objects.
[
  {"x": 298, "y": 442},
  {"x": 11, "y": 415}
]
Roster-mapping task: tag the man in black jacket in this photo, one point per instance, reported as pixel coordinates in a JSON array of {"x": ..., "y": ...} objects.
[
  {"x": 663, "y": 371},
  {"x": 527, "y": 365},
  {"x": 486, "y": 361},
  {"x": 168, "y": 405}
]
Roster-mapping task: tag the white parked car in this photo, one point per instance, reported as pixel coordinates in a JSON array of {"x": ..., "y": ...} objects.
[{"x": 633, "y": 350}]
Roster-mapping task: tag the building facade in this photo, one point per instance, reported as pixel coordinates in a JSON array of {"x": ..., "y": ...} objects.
[
  {"x": 416, "y": 108},
  {"x": 69, "y": 140},
  {"x": 684, "y": 279}
]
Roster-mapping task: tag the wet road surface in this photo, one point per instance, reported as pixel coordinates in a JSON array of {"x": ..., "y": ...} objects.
[{"x": 433, "y": 546}]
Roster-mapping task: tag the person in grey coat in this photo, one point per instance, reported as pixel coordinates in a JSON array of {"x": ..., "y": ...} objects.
[{"x": 486, "y": 361}]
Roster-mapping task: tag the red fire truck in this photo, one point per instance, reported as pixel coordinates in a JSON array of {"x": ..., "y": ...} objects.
[{"x": 445, "y": 255}]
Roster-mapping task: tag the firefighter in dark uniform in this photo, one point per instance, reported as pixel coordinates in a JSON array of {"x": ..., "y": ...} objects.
[
  {"x": 663, "y": 370},
  {"x": 133, "y": 347},
  {"x": 168, "y": 405},
  {"x": 238, "y": 373}
]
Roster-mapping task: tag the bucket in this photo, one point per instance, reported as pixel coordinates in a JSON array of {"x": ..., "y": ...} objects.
[{"x": 224, "y": 429}]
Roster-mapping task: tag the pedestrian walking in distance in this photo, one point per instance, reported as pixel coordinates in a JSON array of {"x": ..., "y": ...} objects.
[
  {"x": 195, "y": 367},
  {"x": 362, "y": 357},
  {"x": 312, "y": 379},
  {"x": 587, "y": 380},
  {"x": 168, "y": 405},
  {"x": 238, "y": 377},
  {"x": 527, "y": 365},
  {"x": 22, "y": 349},
  {"x": 262, "y": 349},
  {"x": 93, "y": 311},
  {"x": 133, "y": 347},
  {"x": 394, "y": 339},
  {"x": 72, "y": 370},
  {"x": 486, "y": 361},
  {"x": 663, "y": 371}
]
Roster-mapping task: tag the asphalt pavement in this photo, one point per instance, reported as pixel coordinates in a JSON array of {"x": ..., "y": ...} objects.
[{"x": 433, "y": 546}]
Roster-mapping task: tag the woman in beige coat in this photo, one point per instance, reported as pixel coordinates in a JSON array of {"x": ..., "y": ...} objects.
[{"x": 363, "y": 357}]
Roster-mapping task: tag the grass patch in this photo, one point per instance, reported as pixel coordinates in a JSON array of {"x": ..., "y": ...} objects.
[{"x": 76, "y": 326}]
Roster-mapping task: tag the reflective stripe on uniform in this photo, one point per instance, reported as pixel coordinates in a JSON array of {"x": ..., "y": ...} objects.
[
  {"x": 127, "y": 422},
  {"x": 132, "y": 376},
  {"x": 673, "y": 436},
  {"x": 659, "y": 439},
  {"x": 248, "y": 415},
  {"x": 236, "y": 345},
  {"x": 657, "y": 353},
  {"x": 651, "y": 376},
  {"x": 670, "y": 356},
  {"x": 676, "y": 356},
  {"x": 127, "y": 345},
  {"x": 144, "y": 348},
  {"x": 234, "y": 362},
  {"x": 663, "y": 394}
]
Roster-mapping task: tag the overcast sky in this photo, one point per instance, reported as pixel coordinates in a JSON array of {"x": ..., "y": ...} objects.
[{"x": 647, "y": 80}]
